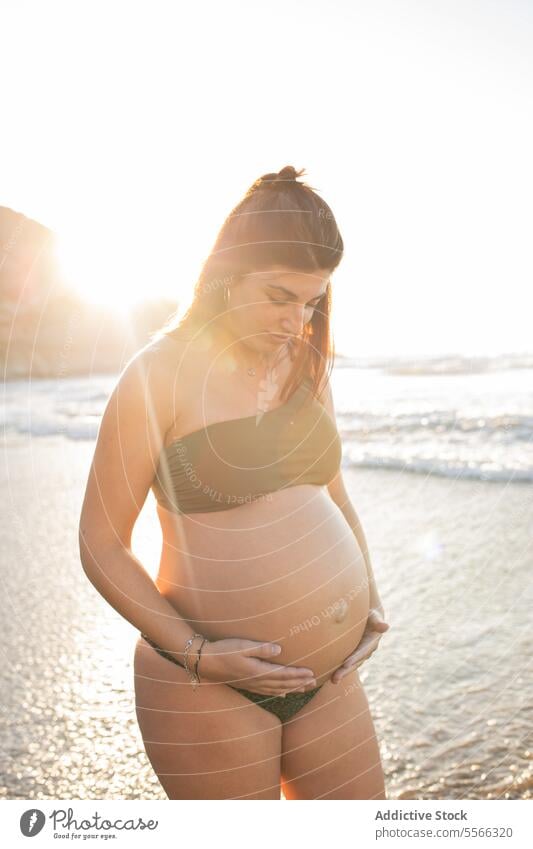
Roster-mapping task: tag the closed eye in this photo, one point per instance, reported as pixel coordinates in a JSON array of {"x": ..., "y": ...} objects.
[{"x": 314, "y": 303}]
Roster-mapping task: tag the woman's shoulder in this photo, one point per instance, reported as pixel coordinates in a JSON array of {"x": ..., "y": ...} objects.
[
  {"x": 155, "y": 367},
  {"x": 155, "y": 379},
  {"x": 170, "y": 341},
  {"x": 170, "y": 348},
  {"x": 175, "y": 357}
]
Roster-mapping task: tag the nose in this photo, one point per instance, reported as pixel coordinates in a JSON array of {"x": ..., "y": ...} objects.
[{"x": 294, "y": 322}]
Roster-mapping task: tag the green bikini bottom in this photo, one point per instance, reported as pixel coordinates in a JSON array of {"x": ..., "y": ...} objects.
[{"x": 282, "y": 706}]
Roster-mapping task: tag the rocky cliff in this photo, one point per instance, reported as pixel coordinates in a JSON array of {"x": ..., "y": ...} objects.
[{"x": 46, "y": 329}]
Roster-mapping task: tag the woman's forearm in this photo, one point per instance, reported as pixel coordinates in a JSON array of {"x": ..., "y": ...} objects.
[
  {"x": 352, "y": 518},
  {"x": 123, "y": 581}
]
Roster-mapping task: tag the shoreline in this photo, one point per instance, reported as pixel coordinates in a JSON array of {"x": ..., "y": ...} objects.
[{"x": 452, "y": 563}]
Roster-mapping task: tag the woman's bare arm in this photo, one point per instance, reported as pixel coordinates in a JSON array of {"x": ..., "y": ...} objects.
[
  {"x": 339, "y": 494},
  {"x": 130, "y": 438}
]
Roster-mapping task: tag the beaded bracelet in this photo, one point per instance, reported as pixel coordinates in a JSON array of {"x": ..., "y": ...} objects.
[
  {"x": 205, "y": 640},
  {"x": 192, "y": 675}
]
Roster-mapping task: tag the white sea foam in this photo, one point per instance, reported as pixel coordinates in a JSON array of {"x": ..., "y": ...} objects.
[{"x": 470, "y": 424}]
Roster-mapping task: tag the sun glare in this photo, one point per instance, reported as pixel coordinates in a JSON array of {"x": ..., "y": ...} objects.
[{"x": 99, "y": 273}]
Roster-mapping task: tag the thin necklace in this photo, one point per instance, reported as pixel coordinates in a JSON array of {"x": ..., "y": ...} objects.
[{"x": 251, "y": 371}]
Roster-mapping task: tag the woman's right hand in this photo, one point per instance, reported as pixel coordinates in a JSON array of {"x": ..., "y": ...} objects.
[{"x": 250, "y": 665}]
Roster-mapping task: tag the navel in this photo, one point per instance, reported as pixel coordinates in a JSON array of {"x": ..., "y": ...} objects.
[{"x": 341, "y": 609}]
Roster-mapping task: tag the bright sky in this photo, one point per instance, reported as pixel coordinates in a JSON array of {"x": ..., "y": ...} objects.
[{"x": 133, "y": 128}]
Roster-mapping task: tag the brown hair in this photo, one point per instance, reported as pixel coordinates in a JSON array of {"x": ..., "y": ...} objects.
[{"x": 279, "y": 221}]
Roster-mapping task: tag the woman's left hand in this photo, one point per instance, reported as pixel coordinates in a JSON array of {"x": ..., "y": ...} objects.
[{"x": 375, "y": 627}]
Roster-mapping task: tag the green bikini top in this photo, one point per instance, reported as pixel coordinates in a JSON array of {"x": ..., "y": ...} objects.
[{"x": 234, "y": 462}]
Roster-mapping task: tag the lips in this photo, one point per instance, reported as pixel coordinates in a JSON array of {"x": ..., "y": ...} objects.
[{"x": 280, "y": 337}]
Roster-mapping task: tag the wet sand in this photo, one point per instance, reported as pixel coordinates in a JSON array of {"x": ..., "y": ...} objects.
[{"x": 449, "y": 687}]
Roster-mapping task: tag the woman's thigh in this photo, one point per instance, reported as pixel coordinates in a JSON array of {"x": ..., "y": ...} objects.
[
  {"x": 208, "y": 743},
  {"x": 329, "y": 748}
]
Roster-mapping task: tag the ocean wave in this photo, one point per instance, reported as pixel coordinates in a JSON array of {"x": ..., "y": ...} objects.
[
  {"x": 441, "y": 468},
  {"x": 447, "y": 364},
  {"x": 504, "y": 426}
]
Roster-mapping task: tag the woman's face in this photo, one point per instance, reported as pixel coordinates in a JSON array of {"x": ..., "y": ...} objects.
[{"x": 277, "y": 300}]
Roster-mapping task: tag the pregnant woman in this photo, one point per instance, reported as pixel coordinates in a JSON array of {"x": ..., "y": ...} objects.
[{"x": 265, "y": 598}]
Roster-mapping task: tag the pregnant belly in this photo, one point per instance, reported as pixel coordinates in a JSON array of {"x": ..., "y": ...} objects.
[{"x": 284, "y": 569}]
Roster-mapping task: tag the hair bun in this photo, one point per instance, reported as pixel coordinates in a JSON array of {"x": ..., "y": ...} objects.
[{"x": 288, "y": 174}]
